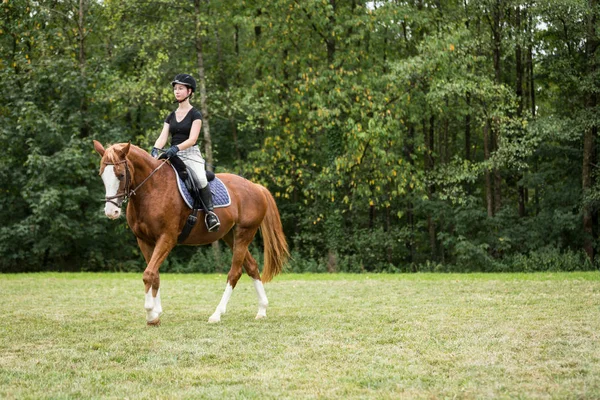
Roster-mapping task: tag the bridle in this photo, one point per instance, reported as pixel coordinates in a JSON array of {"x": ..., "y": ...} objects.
[
  {"x": 121, "y": 197},
  {"x": 127, "y": 192}
]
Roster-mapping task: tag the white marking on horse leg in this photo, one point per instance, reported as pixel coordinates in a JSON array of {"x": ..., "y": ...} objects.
[
  {"x": 222, "y": 307},
  {"x": 150, "y": 304},
  {"x": 149, "y": 300},
  {"x": 157, "y": 303},
  {"x": 263, "y": 302}
]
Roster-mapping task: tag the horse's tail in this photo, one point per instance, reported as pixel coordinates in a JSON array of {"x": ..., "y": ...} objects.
[{"x": 276, "y": 249}]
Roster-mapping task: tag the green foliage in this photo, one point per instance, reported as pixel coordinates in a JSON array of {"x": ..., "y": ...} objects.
[
  {"x": 395, "y": 136},
  {"x": 548, "y": 259}
]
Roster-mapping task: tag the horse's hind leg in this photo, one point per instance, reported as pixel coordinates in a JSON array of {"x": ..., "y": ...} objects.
[
  {"x": 243, "y": 237},
  {"x": 251, "y": 267}
]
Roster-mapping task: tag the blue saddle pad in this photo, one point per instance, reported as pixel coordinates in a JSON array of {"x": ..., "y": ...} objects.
[{"x": 218, "y": 189}]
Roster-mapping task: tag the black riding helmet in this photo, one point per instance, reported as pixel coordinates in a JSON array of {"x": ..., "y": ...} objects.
[{"x": 185, "y": 79}]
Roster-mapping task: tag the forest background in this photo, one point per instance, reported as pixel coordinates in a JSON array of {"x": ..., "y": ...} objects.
[{"x": 395, "y": 135}]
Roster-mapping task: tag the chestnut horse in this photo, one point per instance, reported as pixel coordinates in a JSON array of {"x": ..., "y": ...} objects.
[{"x": 156, "y": 214}]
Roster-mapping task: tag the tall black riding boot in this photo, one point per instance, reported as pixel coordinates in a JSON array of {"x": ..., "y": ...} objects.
[{"x": 211, "y": 219}]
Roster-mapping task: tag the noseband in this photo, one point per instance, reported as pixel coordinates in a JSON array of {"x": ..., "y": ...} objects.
[{"x": 121, "y": 197}]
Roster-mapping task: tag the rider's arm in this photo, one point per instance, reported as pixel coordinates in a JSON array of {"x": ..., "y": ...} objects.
[{"x": 164, "y": 136}]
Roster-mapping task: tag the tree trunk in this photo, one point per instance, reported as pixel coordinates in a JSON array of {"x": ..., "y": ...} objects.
[
  {"x": 84, "y": 130},
  {"x": 529, "y": 96},
  {"x": 489, "y": 191},
  {"x": 445, "y": 140},
  {"x": 81, "y": 36},
  {"x": 497, "y": 175},
  {"x": 587, "y": 178},
  {"x": 530, "y": 65},
  {"x": 208, "y": 154},
  {"x": 429, "y": 165},
  {"x": 519, "y": 63},
  {"x": 519, "y": 92},
  {"x": 497, "y": 38},
  {"x": 589, "y": 134},
  {"x": 468, "y": 129},
  {"x": 409, "y": 149},
  {"x": 232, "y": 121}
]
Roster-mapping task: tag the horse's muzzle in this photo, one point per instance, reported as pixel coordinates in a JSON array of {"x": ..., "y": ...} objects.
[{"x": 112, "y": 211}]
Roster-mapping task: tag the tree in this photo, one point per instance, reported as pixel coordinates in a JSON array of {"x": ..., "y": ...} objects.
[{"x": 394, "y": 135}]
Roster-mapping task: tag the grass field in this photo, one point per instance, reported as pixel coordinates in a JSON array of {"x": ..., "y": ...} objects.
[{"x": 326, "y": 336}]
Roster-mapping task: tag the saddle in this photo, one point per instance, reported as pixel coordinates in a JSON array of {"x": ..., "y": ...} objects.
[
  {"x": 218, "y": 190},
  {"x": 190, "y": 184}
]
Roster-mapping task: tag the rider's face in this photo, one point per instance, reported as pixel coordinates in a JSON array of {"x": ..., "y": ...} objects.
[{"x": 181, "y": 91}]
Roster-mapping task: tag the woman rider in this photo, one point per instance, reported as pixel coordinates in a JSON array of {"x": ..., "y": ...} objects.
[{"x": 184, "y": 126}]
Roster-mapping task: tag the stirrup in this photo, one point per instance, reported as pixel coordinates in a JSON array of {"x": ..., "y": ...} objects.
[{"x": 216, "y": 223}]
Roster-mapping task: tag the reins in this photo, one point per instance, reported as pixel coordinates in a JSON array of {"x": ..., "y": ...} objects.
[{"x": 132, "y": 192}]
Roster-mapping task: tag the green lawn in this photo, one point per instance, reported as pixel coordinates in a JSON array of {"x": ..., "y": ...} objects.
[{"x": 326, "y": 336}]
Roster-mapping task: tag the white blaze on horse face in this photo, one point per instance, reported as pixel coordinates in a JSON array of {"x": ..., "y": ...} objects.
[{"x": 111, "y": 184}]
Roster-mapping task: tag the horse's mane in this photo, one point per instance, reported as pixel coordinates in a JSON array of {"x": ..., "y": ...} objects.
[{"x": 114, "y": 152}]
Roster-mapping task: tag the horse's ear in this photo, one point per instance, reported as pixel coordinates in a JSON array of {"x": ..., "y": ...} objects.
[
  {"x": 99, "y": 148},
  {"x": 126, "y": 148}
]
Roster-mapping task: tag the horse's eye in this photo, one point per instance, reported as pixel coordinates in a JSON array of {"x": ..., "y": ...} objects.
[{"x": 121, "y": 176}]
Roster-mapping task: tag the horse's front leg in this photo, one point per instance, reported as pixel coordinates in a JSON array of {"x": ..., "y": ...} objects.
[
  {"x": 153, "y": 306},
  {"x": 154, "y": 255}
]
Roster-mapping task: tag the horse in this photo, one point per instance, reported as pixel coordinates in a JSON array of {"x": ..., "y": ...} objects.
[{"x": 156, "y": 214}]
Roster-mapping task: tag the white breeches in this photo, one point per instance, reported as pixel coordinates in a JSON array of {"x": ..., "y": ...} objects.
[{"x": 192, "y": 158}]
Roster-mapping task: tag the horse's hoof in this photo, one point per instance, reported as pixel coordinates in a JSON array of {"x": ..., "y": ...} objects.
[
  {"x": 260, "y": 316},
  {"x": 213, "y": 320},
  {"x": 155, "y": 322}
]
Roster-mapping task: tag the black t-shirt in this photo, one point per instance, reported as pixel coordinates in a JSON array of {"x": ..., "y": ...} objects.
[{"x": 180, "y": 131}]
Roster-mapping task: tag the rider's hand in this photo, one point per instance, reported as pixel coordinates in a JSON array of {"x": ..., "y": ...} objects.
[
  {"x": 154, "y": 152},
  {"x": 171, "y": 151}
]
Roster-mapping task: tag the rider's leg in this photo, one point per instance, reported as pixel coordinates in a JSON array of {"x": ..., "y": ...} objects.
[
  {"x": 179, "y": 166},
  {"x": 212, "y": 221},
  {"x": 193, "y": 159}
]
